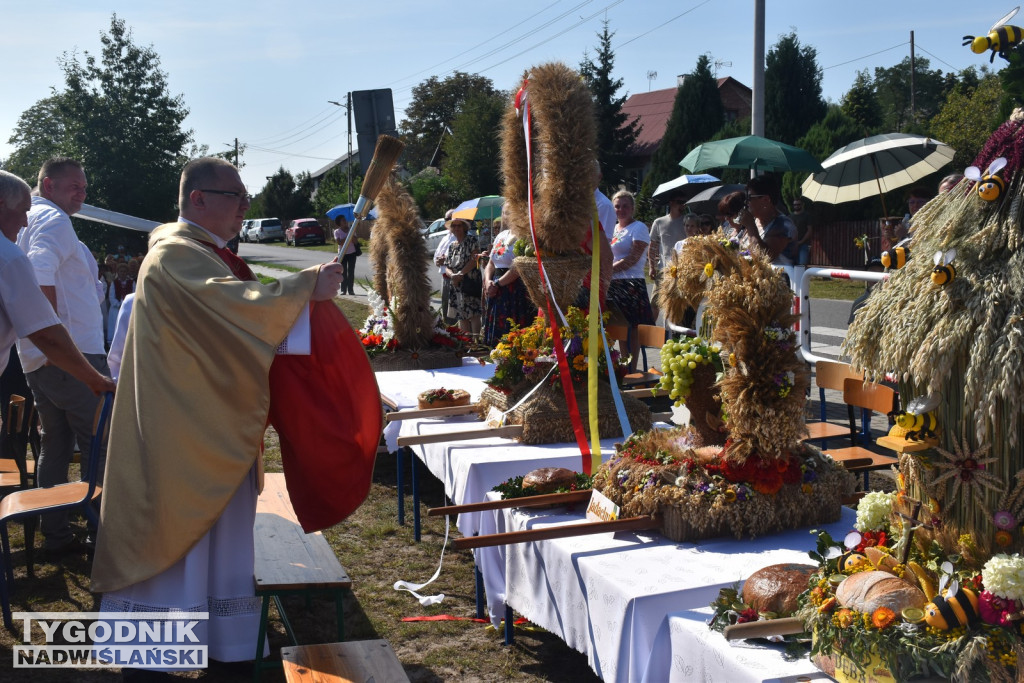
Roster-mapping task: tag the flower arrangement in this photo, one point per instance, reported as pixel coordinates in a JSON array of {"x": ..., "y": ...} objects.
[
  {"x": 660, "y": 472},
  {"x": 873, "y": 511},
  {"x": 914, "y": 642},
  {"x": 527, "y": 353},
  {"x": 861, "y": 242},
  {"x": 378, "y": 332}
]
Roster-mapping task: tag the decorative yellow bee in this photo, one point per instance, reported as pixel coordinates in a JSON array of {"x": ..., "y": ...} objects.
[
  {"x": 850, "y": 561},
  {"x": 952, "y": 607},
  {"x": 1000, "y": 40},
  {"x": 896, "y": 257},
  {"x": 919, "y": 419},
  {"x": 944, "y": 271},
  {"x": 990, "y": 184}
]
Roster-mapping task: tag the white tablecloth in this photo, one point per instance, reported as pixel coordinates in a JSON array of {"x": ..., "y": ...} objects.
[
  {"x": 608, "y": 595},
  {"x": 685, "y": 649},
  {"x": 404, "y": 386},
  {"x": 470, "y": 469}
]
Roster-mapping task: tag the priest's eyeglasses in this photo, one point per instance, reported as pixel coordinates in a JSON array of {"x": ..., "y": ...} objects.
[{"x": 230, "y": 193}]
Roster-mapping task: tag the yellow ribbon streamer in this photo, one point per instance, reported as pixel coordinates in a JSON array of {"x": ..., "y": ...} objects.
[{"x": 593, "y": 337}]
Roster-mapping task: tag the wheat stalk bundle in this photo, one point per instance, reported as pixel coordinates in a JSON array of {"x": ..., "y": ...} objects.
[{"x": 564, "y": 133}]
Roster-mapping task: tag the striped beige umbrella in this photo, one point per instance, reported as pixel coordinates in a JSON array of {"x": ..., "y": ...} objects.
[{"x": 875, "y": 165}]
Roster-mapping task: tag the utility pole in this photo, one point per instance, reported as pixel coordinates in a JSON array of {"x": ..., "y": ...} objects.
[
  {"x": 913, "y": 117},
  {"x": 757, "y": 100},
  {"x": 348, "y": 111},
  {"x": 237, "y": 165}
]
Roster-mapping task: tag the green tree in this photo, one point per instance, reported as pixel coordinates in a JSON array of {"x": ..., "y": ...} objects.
[
  {"x": 825, "y": 137},
  {"x": 615, "y": 132},
  {"x": 792, "y": 86},
  {"x": 333, "y": 189},
  {"x": 285, "y": 197},
  {"x": 860, "y": 103},
  {"x": 1012, "y": 79},
  {"x": 435, "y": 104},
  {"x": 37, "y": 136},
  {"x": 968, "y": 118},
  {"x": 697, "y": 114},
  {"x": 432, "y": 193},
  {"x": 892, "y": 87},
  {"x": 473, "y": 150}
]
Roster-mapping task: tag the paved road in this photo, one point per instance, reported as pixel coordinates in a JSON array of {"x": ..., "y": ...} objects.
[{"x": 829, "y": 318}]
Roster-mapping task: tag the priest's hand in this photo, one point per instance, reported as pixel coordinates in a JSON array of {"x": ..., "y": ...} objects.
[{"x": 328, "y": 280}]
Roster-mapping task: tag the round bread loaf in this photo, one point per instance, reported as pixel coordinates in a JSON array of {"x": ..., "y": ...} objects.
[
  {"x": 443, "y": 398},
  {"x": 867, "y": 591},
  {"x": 775, "y": 588},
  {"x": 548, "y": 479}
]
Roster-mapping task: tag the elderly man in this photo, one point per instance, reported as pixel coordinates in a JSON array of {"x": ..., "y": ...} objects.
[
  {"x": 24, "y": 310},
  {"x": 179, "y": 496},
  {"x": 66, "y": 406}
]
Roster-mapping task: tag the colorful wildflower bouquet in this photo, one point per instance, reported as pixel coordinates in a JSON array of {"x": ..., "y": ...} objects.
[
  {"x": 699, "y": 492},
  {"x": 384, "y": 347},
  {"x": 526, "y": 355}
]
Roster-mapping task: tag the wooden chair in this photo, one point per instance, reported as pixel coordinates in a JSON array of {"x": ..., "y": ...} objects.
[
  {"x": 650, "y": 336},
  {"x": 356, "y": 660},
  {"x": 17, "y": 470},
  {"x": 29, "y": 503},
  {"x": 618, "y": 333},
  {"x": 830, "y": 375},
  {"x": 870, "y": 396}
]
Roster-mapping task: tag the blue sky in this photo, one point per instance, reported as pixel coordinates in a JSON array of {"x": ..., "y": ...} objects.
[{"x": 263, "y": 71}]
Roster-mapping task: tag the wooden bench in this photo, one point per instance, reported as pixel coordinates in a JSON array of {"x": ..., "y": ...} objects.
[
  {"x": 356, "y": 661},
  {"x": 290, "y": 562}
]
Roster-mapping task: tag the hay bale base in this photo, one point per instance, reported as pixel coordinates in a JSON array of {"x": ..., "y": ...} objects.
[{"x": 545, "y": 417}]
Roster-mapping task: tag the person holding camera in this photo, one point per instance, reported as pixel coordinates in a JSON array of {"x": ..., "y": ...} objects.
[{"x": 761, "y": 222}]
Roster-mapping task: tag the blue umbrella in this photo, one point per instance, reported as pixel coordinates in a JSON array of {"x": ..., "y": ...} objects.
[{"x": 348, "y": 211}]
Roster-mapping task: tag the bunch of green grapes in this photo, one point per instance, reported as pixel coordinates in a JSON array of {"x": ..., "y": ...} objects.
[{"x": 680, "y": 358}]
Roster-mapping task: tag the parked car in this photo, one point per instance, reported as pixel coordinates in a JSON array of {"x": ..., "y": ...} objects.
[
  {"x": 265, "y": 230},
  {"x": 303, "y": 230},
  {"x": 433, "y": 234},
  {"x": 243, "y": 235}
]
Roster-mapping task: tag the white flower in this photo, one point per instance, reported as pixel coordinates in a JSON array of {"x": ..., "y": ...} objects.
[
  {"x": 873, "y": 511},
  {"x": 1003, "y": 575}
]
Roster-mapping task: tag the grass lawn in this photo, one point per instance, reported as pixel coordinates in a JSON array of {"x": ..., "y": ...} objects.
[
  {"x": 376, "y": 551},
  {"x": 826, "y": 288}
]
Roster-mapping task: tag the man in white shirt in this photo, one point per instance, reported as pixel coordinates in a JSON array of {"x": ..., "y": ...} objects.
[
  {"x": 66, "y": 406},
  {"x": 24, "y": 311}
]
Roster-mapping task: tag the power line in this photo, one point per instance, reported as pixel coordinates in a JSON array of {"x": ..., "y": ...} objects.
[
  {"x": 938, "y": 58},
  {"x": 857, "y": 59},
  {"x": 661, "y": 25},
  {"x": 322, "y": 122},
  {"x": 582, "y": 21},
  {"x": 486, "y": 42}
]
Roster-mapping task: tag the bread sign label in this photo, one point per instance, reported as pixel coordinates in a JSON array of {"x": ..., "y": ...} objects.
[{"x": 601, "y": 508}]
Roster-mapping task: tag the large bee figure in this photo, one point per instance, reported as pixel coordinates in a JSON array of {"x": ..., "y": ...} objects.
[
  {"x": 919, "y": 419},
  {"x": 896, "y": 257},
  {"x": 952, "y": 607},
  {"x": 1001, "y": 38},
  {"x": 944, "y": 272},
  {"x": 990, "y": 185}
]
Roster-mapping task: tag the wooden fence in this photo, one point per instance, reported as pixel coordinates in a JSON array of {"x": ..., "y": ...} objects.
[{"x": 833, "y": 244}]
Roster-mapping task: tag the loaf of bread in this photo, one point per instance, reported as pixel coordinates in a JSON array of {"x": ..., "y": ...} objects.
[
  {"x": 548, "y": 479},
  {"x": 775, "y": 588},
  {"x": 867, "y": 591},
  {"x": 443, "y": 398}
]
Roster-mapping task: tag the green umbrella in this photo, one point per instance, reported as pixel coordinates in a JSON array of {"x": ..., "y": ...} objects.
[
  {"x": 479, "y": 209},
  {"x": 750, "y": 151}
]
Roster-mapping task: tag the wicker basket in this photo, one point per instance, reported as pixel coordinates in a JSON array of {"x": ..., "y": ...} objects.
[
  {"x": 545, "y": 416},
  {"x": 565, "y": 274},
  {"x": 426, "y": 359}
]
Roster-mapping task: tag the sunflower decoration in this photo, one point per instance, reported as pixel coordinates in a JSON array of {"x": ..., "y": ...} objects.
[{"x": 966, "y": 468}]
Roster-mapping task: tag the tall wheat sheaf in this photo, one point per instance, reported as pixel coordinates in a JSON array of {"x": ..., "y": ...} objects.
[
  {"x": 401, "y": 265},
  {"x": 964, "y": 340},
  {"x": 564, "y": 133}
]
